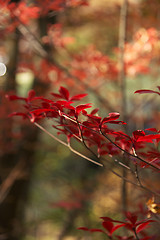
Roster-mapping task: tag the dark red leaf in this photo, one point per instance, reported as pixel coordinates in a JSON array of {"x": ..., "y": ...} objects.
[
  {"x": 117, "y": 122},
  {"x": 24, "y": 115},
  {"x": 108, "y": 226},
  {"x": 146, "y": 91},
  {"x": 31, "y": 95},
  {"x": 96, "y": 230},
  {"x": 131, "y": 217},
  {"x": 14, "y": 97},
  {"x": 64, "y": 93}
]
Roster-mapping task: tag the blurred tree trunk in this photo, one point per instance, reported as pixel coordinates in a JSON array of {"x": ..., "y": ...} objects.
[
  {"x": 16, "y": 166},
  {"x": 122, "y": 82}
]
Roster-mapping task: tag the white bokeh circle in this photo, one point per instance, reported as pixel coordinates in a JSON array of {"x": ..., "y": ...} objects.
[{"x": 3, "y": 69}]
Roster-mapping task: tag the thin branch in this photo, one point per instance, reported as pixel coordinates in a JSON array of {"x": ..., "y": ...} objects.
[
  {"x": 101, "y": 133},
  {"x": 68, "y": 145},
  {"x": 99, "y": 164},
  {"x": 133, "y": 183},
  {"x": 123, "y": 150},
  {"x": 136, "y": 234},
  {"x": 82, "y": 140},
  {"x": 137, "y": 175}
]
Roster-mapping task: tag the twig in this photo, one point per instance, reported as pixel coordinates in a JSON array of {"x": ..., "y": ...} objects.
[
  {"x": 123, "y": 150},
  {"x": 90, "y": 160},
  {"x": 82, "y": 140},
  {"x": 68, "y": 145},
  {"x": 136, "y": 234},
  {"x": 101, "y": 133},
  {"x": 133, "y": 183}
]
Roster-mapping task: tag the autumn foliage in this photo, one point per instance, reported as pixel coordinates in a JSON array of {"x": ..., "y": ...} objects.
[{"x": 106, "y": 138}]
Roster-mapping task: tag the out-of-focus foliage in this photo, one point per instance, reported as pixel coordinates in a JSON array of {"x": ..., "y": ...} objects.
[{"x": 66, "y": 191}]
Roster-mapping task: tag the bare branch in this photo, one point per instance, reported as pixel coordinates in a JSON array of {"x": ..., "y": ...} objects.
[{"x": 68, "y": 145}]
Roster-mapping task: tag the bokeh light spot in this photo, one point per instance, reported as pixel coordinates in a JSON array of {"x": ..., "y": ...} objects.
[{"x": 3, "y": 69}]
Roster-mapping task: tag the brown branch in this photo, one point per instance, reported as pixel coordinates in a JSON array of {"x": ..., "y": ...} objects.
[
  {"x": 123, "y": 150},
  {"x": 133, "y": 183},
  {"x": 82, "y": 140},
  {"x": 99, "y": 164},
  {"x": 68, "y": 145},
  {"x": 129, "y": 154}
]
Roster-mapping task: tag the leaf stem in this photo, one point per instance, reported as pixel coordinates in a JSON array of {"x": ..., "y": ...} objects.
[{"x": 136, "y": 234}]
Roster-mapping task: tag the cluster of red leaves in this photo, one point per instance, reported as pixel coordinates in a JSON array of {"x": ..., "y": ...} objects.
[
  {"x": 131, "y": 224},
  {"x": 59, "y": 5},
  {"x": 14, "y": 14},
  {"x": 92, "y": 64},
  {"x": 55, "y": 36},
  {"x": 89, "y": 128}
]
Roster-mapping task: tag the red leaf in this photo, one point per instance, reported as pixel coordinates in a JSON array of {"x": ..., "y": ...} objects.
[
  {"x": 56, "y": 95},
  {"x": 148, "y": 138},
  {"x": 152, "y": 130},
  {"x": 116, "y": 227},
  {"x": 31, "y": 95},
  {"x": 14, "y": 97},
  {"x": 64, "y": 93},
  {"x": 108, "y": 226},
  {"x": 82, "y": 107},
  {"x": 117, "y": 122},
  {"x": 96, "y": 230},
  {"x": 131, "y": 217},
  {"x": 142, "y": 227},
  {"x": 91, "y": 230},
  {"x": 112, "y": 116},
  {"x": 146, "y": 91},
  {"x": 94, "y": 111},
  {"x": 110, "y": 220},
  {"x": 78, "y": 97},
  {"x": 138, "y": 134},
  {"x": 24, "y": 115}
]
